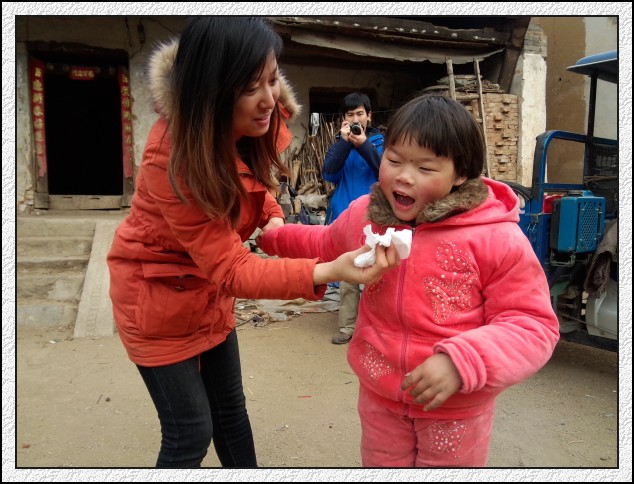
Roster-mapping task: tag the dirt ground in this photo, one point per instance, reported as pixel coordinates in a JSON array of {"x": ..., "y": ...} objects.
[{"x": 80, "y": 403}]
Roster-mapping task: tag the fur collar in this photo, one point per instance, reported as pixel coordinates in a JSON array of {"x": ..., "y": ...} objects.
[
  {"x": 159, "y": 73},
  {"x": 469, "y": 195}
]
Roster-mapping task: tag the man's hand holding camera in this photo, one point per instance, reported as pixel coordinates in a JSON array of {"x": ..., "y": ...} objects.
[{"x": 353, "y": 132}]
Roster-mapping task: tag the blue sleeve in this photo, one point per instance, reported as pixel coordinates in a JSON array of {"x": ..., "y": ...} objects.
[
  {"x": 371, "y": 151},
  {"x": 335, "y": 160}
]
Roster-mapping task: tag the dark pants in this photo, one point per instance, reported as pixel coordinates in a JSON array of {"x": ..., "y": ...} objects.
[{"x": 196, "y": 405}]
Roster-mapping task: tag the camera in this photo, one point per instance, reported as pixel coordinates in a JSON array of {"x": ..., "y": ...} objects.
[{"x": 355, "y": 128}]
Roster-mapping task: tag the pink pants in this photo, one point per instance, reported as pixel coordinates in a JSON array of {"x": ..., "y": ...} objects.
[{"x": 392, "y": 440}]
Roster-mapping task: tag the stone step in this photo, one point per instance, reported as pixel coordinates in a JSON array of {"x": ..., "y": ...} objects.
[
  {"x": 52, "y": 256},
  {"x": 53, "y": 245},
  {"x": 62, "y": 276},
  {"x": 40, "y": 227},
  {"x": 55, "y": 287},
  {"x": 32, "y": 265},
  {"x": 46, "y": 313}
]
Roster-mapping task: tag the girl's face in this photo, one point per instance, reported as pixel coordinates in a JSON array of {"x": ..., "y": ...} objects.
[
  {"x": 412, "y": 176},
  {"x": 253, "y": 108}
]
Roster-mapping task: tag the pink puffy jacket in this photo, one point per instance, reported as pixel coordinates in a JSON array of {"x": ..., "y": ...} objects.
[{"x": 472, "y": 287}]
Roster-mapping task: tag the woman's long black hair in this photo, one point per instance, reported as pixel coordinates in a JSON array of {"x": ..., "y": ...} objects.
[{"x": 217, "y": 58}]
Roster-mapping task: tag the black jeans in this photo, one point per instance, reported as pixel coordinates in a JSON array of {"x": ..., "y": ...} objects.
[{"x": 197, "y": 405}]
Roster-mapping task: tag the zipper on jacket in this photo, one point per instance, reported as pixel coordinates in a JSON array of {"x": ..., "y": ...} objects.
[{"x": 401, "y": 284}]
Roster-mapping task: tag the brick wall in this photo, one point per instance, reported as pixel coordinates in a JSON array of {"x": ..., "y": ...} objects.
[
  {"x": 502, "y": 129},
  {"x": 502, "y": 132}
]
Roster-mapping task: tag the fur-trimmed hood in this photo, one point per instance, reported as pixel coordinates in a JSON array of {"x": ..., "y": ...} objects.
[
  {"x": 159, "y": 73},
  {"x": 468, "y": 196}
]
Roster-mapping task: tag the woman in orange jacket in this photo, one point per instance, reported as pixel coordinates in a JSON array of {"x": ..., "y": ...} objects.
[{"x": 178, "y": 261}]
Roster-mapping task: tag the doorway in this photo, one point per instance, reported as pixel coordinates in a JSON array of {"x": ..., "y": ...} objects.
[
  {"x": 82, "y": 127},
  {"x": 83, "y": 136}
]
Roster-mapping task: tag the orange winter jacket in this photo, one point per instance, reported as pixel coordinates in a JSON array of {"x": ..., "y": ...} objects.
[{"x": 174, "y": 272}]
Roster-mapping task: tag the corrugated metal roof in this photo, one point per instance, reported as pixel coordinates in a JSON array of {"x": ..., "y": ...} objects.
[{"x": 403, "y": 39}]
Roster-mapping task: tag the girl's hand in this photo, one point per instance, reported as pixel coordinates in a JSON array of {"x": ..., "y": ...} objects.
[{"x": 434, "y": 381}]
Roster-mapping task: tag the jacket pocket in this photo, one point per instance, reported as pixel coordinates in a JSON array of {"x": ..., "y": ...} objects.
[
  {"x": 172, "y": 300},
  {"x": 375, "y": 358}
]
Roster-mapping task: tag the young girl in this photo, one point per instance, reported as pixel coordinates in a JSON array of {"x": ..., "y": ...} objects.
[
  {"x": 466, "y": 315},
  {"x": 178, "y": 260}
]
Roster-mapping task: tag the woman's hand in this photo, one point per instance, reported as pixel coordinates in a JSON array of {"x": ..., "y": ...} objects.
[
  {"x": 273, "y": 223},
  {"x": 434, "y": 381},
  {"x": 343, "y": 268}
]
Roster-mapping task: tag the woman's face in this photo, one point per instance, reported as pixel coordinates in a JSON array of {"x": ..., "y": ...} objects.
[
  {"x": 252, "y": 111},
  {"x": 412, "y": 176}
]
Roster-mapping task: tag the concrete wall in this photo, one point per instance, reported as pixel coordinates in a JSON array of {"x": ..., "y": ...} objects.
[
  {"x": 601, "y": 36},
  {"x": 25, "y": 148},
  {"x": 570, "y": 39},
  {"x": 529, "y": 84}
]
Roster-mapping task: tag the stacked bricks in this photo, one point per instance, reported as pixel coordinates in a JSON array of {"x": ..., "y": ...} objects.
[
  {"x": 502, "y": 132},
  {"x": 502, "y": 129}
]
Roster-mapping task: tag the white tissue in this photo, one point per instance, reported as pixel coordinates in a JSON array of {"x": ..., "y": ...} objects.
[{"x": 402, "y": 240}]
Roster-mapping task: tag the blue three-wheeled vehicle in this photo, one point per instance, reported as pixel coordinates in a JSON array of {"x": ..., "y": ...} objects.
[{"x": 573, "y": 226}]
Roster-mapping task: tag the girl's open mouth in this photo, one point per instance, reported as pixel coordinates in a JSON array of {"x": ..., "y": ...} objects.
[{"x": 403, "y": 199}]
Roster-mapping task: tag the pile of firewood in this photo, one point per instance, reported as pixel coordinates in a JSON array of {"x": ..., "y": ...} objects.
[{"x": 306, "y": 162}]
